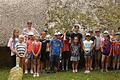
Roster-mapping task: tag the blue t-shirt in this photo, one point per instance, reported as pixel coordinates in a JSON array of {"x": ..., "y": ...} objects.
[{"x": 56, "y": 45}]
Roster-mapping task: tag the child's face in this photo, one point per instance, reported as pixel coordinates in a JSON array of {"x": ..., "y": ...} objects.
[
  {"x": 76, "y": 40},
  {"x": 21, "y": 39},
  {"x": 88, "y": 38},
  {"x": 16, "y": 33}
]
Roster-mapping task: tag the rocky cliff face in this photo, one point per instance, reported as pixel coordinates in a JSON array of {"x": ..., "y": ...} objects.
[{"x": 15, "y": 13}]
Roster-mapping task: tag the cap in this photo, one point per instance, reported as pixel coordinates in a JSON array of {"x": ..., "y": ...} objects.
[
  {"x": 87, "y": 34},
  {"x": 106, "y": 32},
  {"x": 47, "y": 37},
  {"x": 56, "y": 34},
  {"x": 117, "y": 33},
  {"x": 59, "y": 33}
]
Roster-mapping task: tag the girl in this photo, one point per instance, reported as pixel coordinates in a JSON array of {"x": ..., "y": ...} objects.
[
  {"x": 88, "y": 46},
  {"x": 29, "y": 53},
  {"x": 105, "y": 48},
  {"x": 36, "y": 48},
  {"x": 75, "y": 55},
  {"x": 11, "y": 44},
  {"x": 21, "y": 50}
]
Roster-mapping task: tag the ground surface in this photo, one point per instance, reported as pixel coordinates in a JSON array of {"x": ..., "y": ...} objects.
[{"x": 95, "y": 75}]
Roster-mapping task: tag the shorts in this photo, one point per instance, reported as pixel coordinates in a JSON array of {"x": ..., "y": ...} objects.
[
  {"x": 74, "y": 58},
  {"x": 21, "y": 54},
  {"x": 97, "y": 54},
  {"x": 106, "y": 54},
  {"x": 66, "y": 55},
  {"x": 116, "y": 57},
  {"x": 87, "y": 53},
  {"x": 30, "y": 56},
  {"x": 36, "y": 57}
]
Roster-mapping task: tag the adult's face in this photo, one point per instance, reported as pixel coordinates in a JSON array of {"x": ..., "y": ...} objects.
[
  {"x": 97, "y": 33},
  {"x": 29, "y": 24}
]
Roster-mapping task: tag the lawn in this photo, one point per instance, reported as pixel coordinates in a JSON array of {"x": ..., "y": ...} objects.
[{"x": 95, "y": 75}]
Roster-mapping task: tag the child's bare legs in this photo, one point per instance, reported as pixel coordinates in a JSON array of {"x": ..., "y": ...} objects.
[
  {"x": 26, "y": 66},
  {"x": 38, "y": 66},
  {"x": 31, "y": 67},
  {"x": 22, "y": 63},
  {"x": 102, "y": 62},
  {"x": 34, "y": 66},
  {"x": 89, "y": 63},
  {"x": 118, "y": 64},
  {"x": 73, "y": 66},
  {"x": 106, "y": 63},
  {"x": 76, "y": 66},
  {"x": 86, "y": 63}
]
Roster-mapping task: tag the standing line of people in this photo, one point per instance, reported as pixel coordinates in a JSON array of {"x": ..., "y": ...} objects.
[{"x": 37, "y": 53}]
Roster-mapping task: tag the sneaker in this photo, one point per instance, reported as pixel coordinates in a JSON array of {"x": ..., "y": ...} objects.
[
  {"x": 34, "y": 75},
  {"x": 88, "y": 71},
  {"x": 85, "y": 72},
  {"x": 102, "y": 70},
  {"x": 31, "y": 71},
  {"x": 73, "y": 71},
  {"x": 106, "y": 70},
  {"x": 91, "y": 69},
  {"x": 26, "y": 71},
  {"x": 76, "y": 70},
  {"x": 37, "y": 74}
]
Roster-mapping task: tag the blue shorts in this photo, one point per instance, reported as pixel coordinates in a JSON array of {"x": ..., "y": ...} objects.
[
  {"x": 116, "y": 56},
  {"x": 30, "y": 56}
]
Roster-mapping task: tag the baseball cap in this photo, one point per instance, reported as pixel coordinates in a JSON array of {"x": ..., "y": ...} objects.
[
  {"x": 87, "y": 34},
  {"x": 106, "y": 32}
]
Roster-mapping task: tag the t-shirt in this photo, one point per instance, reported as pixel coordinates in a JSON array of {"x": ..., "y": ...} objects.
[
  {"x": 65, "y": 44},
  {"x": 36, "y": 46},
  {"x": 116, "y": 47},
  {"x": 26, "y": 31},
  {"x": 56, "y": 45},
  {"x": 87, "y": 45},
  {"x": 98, "y": 42},
  {"x": 12, "y": 44},
  {"x": 21, "y": 48},
  {"x": 29, "y": 45}
]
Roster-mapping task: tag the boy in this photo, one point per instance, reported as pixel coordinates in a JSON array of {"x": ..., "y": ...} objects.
[
  {"x": 56, "y": 49},
  {"x": 21, "y": 50}
]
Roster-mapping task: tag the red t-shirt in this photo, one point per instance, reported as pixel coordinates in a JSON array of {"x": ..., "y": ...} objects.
[
  {"x": 65, "y": 44},
  {"x": 36, "y": 46},
  {"x": 116, "y": 47},
  {"x": 29, "y": 45}
]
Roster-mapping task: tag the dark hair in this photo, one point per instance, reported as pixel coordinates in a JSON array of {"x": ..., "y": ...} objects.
[
  {"x": 118, "y": 28},
  {"x": 76, "y": 26},
  {"x": 15, "y": 30},
  {"x": 108, "y": 36}
]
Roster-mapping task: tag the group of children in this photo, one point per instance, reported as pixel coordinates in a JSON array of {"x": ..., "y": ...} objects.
[{"x": 36, "y": 53}]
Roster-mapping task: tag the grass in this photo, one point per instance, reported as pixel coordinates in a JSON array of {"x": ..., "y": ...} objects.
[{"x": 94, "y": 75}]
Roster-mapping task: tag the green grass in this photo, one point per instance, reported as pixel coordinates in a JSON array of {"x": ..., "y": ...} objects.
[{"x": 95, "y": 75}]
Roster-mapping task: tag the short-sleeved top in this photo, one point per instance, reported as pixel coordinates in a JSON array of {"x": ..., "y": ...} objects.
[
  {"x": 116, "y": 47},
  {"x": 29, "y": 46},
  {"x": 56, "y": 45},
  {"x": 36, "y": 46},
  {"x": 79, "y": 35},
  {"x": 21, "y": 48},
  {"x": 75, "y": 50},
  {"x": 12, "y": 43},
  {"x": 26, "y": 32},
  {"x": 66, "y": 44},
  {"x": 87, "y": 44},
  {"x": 98, "y": 42}
]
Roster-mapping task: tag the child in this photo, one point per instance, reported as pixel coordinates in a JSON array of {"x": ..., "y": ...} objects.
[
  {"x": 36, "y": 48},
  {"x": 65, "y": 50},
  {"x": 88, "y": 46},
  {"x": 105, "y": 48},
  {"x": 75, "y": 54},
  {"x": 56, "y": 50},
  {"x": 21, "y": 50},
  {"x": 116, "y": 51},
  {"x": 29, "y": 53},
  {"x": 47, "y": 62},
  {"x": 11, "y": 44}
]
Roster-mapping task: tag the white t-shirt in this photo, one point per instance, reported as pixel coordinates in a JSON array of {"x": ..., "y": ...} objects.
[
  {"x": 12, "y": 44},
  {"x": 87, "y": 45},
  {"x": 26, "y": 31}
]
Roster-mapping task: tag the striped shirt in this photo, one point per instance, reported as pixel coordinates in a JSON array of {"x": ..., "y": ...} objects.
[{"x": 21, "y": 48}]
